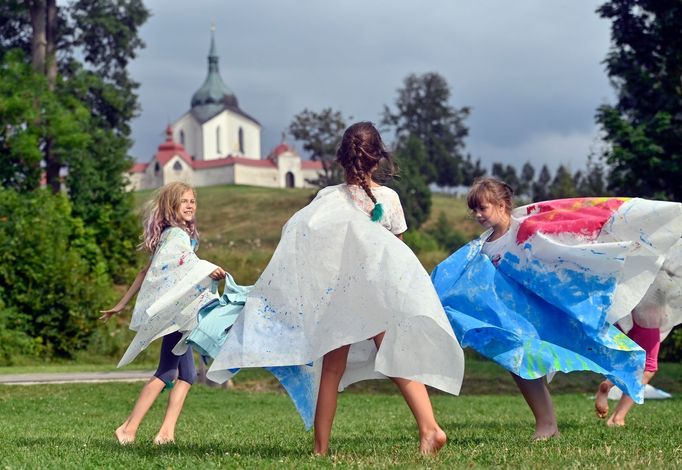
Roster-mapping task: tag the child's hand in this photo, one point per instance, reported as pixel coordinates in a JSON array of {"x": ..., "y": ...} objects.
[
  {"x": 218, "y": 274},
  {"x": 107, "y": 314}
]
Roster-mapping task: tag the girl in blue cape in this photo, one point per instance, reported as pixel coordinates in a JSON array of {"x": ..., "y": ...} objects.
[
  {"x": 539, "y": 291},
  {"x": 344, "y": 299},
  {"x": 172, "y": 287}
]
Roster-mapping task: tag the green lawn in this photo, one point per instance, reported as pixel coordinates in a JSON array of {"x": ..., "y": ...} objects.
[{"x": 71, "y": 426}]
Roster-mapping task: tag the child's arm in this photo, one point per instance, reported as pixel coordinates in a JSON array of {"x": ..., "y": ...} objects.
[{"x": 130, "y": 293}]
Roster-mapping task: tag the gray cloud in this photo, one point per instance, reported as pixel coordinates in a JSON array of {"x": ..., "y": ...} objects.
[{"x": 530, "y": 70}]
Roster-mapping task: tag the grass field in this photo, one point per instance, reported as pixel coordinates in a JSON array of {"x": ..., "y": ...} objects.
[{"x": 71, "y": 426}]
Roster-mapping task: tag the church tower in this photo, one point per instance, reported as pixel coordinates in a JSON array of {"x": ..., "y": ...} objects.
[{"x": 216, "y": 127}]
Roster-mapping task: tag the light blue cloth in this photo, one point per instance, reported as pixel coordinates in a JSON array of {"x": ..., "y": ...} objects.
[{"x": 532, "y": 325}]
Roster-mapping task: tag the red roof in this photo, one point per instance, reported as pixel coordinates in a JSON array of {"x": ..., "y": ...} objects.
[
  {"x": 138, "y": 168},
  {"x": 311, "y": 165}
]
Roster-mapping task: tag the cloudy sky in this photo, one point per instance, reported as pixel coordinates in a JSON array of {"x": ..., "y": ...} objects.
[{"x": 531, "y": 70}]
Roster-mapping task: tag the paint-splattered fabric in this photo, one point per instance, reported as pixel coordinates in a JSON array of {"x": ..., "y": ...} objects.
[
  {"x": 568, "y": 270},
  {"x": 337, "y": 278},
  {"x": 175, "y": 287}
]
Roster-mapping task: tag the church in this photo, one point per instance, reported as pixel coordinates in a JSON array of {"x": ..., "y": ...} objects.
[{"x": 216, "y": 142}]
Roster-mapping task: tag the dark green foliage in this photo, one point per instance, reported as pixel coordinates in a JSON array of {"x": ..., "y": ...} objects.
[
  {"x": 94, "y": 100},
  {"x": 447, "y": 237},
  {"x": 541, "y": 186},
  {"x": 53, "y": 277},
  {"x": 410, "y": 185},
  {"x": 321, "y": 135},
  {"x": 671, "y": 348},
  {"x": 507, "y": 174},
  {"x": 423, "y": 111},
  {"x": 644, "y": 128},
  {"x": 563, "y": 184}
]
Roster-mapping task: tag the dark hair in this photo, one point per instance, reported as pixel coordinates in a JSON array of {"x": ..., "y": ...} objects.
[
  {"x": 361, "y": 153},
  {"x": 488, "y": 189}
]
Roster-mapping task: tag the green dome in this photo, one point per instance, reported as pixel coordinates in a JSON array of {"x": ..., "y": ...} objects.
[{"x": 214, "y": 95}]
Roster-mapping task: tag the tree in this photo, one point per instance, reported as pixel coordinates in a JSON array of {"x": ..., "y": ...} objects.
[
  {"x": 423, "y": 111},
  {"x": 592, "y": 182},
  {"x": 563, "y": 184},
  {"x": 526, "y": 180},
  {"x": 541, "y": 186},
  {"x": 411, "y": 186},
  {"x": 471, "y": 170},
  {"x": 644, "y": 128},
  {"x": 83, "y": 49},
  {"x": 507, "y": 174},
  {"x": 321, "y": 135}
]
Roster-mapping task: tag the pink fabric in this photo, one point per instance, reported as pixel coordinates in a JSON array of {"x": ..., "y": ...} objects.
[{"x": 648, "y": 339}]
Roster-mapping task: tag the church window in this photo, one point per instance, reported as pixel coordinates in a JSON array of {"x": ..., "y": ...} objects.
[
  {"x": 241, "y": 140},
  {"x": 217, "y": 140},
  {"x": 177, "y": 166},
  {"x": 182, "y": 137}
]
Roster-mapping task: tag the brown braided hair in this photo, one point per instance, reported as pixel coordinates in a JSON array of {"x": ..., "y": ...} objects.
[{"x": 362, "y": 154}]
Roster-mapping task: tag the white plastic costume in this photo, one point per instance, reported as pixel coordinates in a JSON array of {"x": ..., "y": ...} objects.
[
  {"x": 174, "y": 288},
  {"x": 337, "y": 278}
]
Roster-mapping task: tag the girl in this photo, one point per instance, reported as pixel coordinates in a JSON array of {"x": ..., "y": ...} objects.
[
  {"x": 539, "y": 290},
  {"x": 172, "y": 287},
  {"x": 339, "y": 276},
  {"x": 650, "y": 322}
]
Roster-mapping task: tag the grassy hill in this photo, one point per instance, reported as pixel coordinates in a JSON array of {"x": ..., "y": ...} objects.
[{"x": 240, "y": 226}]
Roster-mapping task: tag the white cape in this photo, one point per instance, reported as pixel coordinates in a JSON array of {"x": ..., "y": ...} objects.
[
  {"x": 175, "y": 287},
  {"x": 337, "y": 278}
]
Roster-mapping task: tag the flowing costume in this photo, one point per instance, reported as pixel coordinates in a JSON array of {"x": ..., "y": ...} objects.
[
  {"x": 337, "y": 278},
  {"x": 568, "y": 271},
  {"x": 175, "y": 287}
]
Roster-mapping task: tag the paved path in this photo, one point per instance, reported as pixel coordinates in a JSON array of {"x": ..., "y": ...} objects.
[{"x": 75, "y": 377}]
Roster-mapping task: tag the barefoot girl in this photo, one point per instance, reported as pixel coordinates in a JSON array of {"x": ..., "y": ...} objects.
[
  {"x": 345, "y": 295},
  {"x": 172, "y": 287},
  {"x": 538, "y": 291},
  {"x": 648, "y": 325}
]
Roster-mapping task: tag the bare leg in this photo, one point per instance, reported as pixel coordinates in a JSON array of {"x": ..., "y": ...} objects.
[
  {"x": 431, "y": 436},
  {"x": 333, "y": 367},
  {"x": 125, "y": 433},
  {"x": 601, "y": 399},
  {"x": 176, "y": 399},
  {"x": 540, "y": 402},
  {"x": 625, "y": 404}
]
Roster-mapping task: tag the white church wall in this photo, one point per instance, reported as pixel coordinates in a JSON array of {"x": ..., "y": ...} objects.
[
  {"x": 177, "y": 170},
  {"x": 213, "y": 176},
  {"x": 256, "y": 176},
  {"x": 189, "y": 126}
]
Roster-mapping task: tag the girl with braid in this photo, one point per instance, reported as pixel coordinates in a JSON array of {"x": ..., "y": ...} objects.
[{"x": 344, "y": 299}]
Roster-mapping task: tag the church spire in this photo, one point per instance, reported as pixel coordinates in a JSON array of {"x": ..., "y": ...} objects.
[{"x": 213, "y": 95}]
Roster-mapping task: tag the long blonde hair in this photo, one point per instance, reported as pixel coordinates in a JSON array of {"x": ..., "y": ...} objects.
[{"x": 162, "y": 212}]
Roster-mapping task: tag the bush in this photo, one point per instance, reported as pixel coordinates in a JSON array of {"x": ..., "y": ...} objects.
[
  {"x": 420, "y": 241},
  {"x": 53, "y": 278}
]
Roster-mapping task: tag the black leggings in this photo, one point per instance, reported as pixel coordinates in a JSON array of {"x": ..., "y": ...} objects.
[{"x": 173, "y": 367}]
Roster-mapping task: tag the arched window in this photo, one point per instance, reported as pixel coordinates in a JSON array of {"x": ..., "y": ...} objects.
[
  {"x": 289, "y": 180},
  {"x": 177, "y": 166},
  {"x": 182, "y": 137},
  {"x": 217, "y": 140},
  {"x": 241, "y": 140}
]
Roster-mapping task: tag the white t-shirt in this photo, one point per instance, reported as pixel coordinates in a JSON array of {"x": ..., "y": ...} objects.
[
  {"x": 495, "y": 249},
  {"x": 393, "y": 218}
]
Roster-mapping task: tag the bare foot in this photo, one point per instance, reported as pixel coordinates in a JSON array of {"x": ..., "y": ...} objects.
[
  {"x": 601, "y": 400},
  {"x": 431, "y": 442},
  {"x": 160, "y": 440},
  {"x": 615, "y": 422},
  {"x": 124, "y": 437}
]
